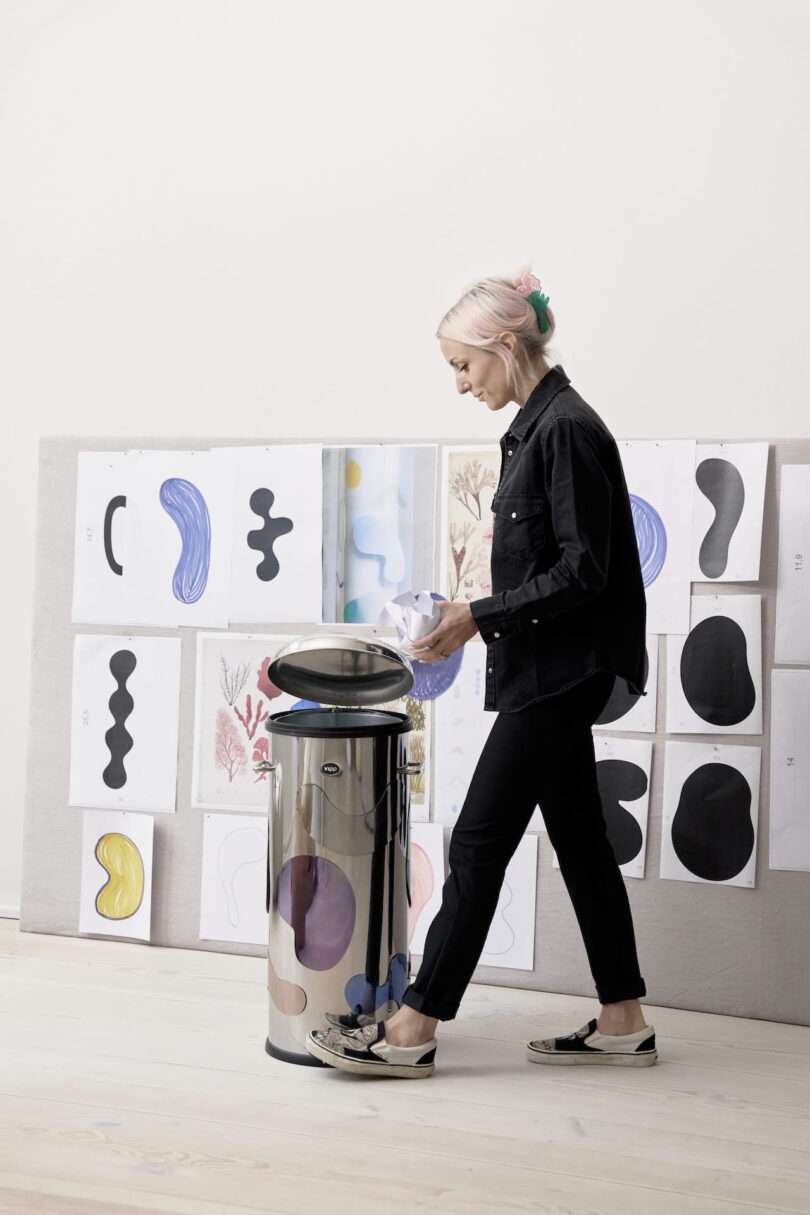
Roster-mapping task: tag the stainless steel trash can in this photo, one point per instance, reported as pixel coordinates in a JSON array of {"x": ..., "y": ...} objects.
[{"x": 338, "y": 856}]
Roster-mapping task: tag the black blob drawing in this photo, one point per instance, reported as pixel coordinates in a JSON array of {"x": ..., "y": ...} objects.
[
  {"x": 118, "y": 738},
  {"x": 621, "y": 781},
  {"x": 712, "y": 832},
  {"x": 263, "y": 538},
  {"x": 621, "y": 698},
  {"x": 715, "y": 676},
  {"x": 723, "y": 485},
  {"x": 112, "y": 506}
]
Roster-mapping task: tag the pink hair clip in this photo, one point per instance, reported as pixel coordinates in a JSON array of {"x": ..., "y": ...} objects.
[
  {"x": 529, "y": 286},
  {"x": 527, "y": 283}
]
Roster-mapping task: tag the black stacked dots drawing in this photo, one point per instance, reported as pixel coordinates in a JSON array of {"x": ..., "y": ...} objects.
[
  {"x": 263, "y": 538},
  {"x": 118, "y": 739}
]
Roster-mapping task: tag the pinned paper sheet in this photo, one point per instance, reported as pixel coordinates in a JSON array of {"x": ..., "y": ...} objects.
[
  {"x": 233, "y": 879},
  {"x": 427, "y": 877},
  {"x": 623, "y": 776},
  {"x": 626, "y": 710},
  {"x": 510, "y": 940},
  {"x": 116, "y": 877},
  {"x": 462, "y": 729},
  {"x": 124, "y": 722},
  {"x": 277, "y": 532},
  {"x": 714, "y": 674},
  {"x": 233, "y": 697},
  {"x": 469, "y": 478},
  {"x": 378, "y": 526},
  {"x": 660, "y": 477},
  {"x": 792, "y": 641},
  {"x": 727, "y": 518},
  {"x": 710, "y": 813},
  {"x": 790, "y": 771}
]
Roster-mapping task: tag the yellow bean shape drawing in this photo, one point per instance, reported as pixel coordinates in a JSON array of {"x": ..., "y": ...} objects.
[{"x": 122, "y": 895}]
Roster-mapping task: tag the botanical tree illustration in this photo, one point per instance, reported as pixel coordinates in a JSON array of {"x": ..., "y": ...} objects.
[
  {"x": 468, "y": 485},
  {"x": 232, "y": 679},
  {"x": 470, "y": 561},
  {"x": 230, "y": 752}
]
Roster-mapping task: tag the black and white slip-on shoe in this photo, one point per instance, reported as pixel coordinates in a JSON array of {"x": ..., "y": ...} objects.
[
  {"x": 588, "y": 1045},
  {"x": 366, "y": 1053}
]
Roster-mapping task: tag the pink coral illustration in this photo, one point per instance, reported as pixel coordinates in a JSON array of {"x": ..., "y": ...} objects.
[
  {"x": 230, "y": 753},
  {"x": 261, "y": 751},
  {"x": 265, "y": 683},
  {"x": 252, "y": 717}
]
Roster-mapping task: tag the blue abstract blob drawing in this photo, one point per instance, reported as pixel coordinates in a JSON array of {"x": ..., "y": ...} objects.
[{"x": 183, "y": 501}]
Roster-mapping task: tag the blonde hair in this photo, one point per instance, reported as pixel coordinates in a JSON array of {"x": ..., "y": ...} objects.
[{"x": 493, "y": 306}]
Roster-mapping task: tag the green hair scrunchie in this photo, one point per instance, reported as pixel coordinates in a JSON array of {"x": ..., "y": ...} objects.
[{"x": 539, "y": 302}]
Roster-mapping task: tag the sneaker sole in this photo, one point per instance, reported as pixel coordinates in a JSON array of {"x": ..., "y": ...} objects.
[
  {"x": 415, "y": 1071},
  {"x": 617, "y": 1058}
]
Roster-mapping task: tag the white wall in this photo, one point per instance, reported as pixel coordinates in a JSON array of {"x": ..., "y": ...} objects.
[{"x": 249, "y": 217}]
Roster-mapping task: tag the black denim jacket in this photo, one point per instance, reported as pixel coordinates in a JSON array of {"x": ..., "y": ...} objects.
[{"x": 567, "y": 592}]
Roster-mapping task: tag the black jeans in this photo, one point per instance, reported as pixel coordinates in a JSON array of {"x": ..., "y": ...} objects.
[{"x": 542, "y": 754}]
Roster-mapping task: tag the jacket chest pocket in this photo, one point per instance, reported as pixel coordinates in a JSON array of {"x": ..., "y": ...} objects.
[{"x": 518, "y": 525}]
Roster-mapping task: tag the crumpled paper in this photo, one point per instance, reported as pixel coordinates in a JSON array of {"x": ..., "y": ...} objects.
[{"x": 413, "y": 614}]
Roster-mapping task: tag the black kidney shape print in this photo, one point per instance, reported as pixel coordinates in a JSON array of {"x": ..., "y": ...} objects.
[
  {"x": 621, "y": 698},
  {"x": 722, "y": 484},
  {"x": 712, "y": 832},
  {"x": 621, "y": 781},
  {"x": 715, "y": 676}
]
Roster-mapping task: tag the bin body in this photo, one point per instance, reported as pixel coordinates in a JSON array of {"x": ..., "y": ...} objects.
[{"x": 337, "y": 869}]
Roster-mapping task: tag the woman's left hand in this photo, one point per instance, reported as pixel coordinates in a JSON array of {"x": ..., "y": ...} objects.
[{"x": 456, "y": 626}]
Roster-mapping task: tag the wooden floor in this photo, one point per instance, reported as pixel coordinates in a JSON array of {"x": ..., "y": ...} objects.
[{"x": 134, "y": 1078}]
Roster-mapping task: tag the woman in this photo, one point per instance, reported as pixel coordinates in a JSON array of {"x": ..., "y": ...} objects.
[{"x": 566, "y": 617}]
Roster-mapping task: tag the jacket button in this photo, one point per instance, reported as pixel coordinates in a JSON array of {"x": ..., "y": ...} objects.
[
  {"x": 514, "y": 514},
  {"x": 534, "y": 622},
  {"x": 509, "y": 453},
  {"x": 496, "y": 634},
  {"x": 490, "y": 670}
]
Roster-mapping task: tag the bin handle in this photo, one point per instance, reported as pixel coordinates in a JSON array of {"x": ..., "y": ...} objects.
[
  {"x": 269, "y": 765},
  {"x": 413, "y": 768}
]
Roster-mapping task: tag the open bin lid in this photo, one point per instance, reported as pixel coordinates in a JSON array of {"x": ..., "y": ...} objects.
[{"x": 341, "y": 669}]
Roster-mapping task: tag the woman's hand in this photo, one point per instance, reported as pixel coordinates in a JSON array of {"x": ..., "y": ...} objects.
[{"x": 456, "y": 626}]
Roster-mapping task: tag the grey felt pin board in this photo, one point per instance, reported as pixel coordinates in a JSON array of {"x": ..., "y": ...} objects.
[{"x": 724, "y": 949}]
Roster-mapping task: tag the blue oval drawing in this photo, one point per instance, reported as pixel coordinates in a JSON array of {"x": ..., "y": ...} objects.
[{"x": 186, "y": 505}]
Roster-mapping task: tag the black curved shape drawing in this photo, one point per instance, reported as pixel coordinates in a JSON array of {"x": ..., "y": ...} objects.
[
  {"x": 118, "y": 738},
  {"x": 712, "y": 832},
  {"x": 621, "y": 781},
  {"x": 723, "y": 485},
  {"x": 263, "y": 538},
  {"x": 715, "y": 675},
  {"x": 621, "y": 698},
  {"x": 112, "y": 507}
]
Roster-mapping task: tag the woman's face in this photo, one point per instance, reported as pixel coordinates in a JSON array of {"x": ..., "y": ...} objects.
[{"x": 479, "y": 372}]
